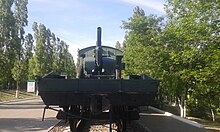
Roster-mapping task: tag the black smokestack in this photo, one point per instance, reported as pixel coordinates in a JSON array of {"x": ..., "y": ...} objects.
[{"x": 99, "y": 35}]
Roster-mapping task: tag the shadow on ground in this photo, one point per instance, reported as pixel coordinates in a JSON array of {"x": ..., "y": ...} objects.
[{"x": 24, "y": 124}]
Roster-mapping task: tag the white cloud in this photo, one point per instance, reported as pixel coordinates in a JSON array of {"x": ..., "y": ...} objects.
[{"x": 153, "y": 4}]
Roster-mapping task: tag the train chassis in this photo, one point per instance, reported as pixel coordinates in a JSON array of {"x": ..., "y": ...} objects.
[
  {"x": 74, "y": 114},
  {"x": 119, "y": 115}
]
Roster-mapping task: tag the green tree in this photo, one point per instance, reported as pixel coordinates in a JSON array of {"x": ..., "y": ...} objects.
[
  {"x": 28, "y": 46},
  {"x": 51, "y": 54},
  {"x": 184, "y": 53},
  {"x": 49, "y": 50},
  {"x": 118, "y": 46},
  {"x": 18, "y": 61},
  {"x": 66, "y": 62},
  {"x": 8, "y": 39},
  {"x": 40, "y": 56},
  {"x": 18, "y": 73},
  {"x": 191, "y": 37},
  {"x": 55, "y": 63},
  {"x": 140, "y": 44},
  {"x": 20, "y": 16},
  {"x": 28, "y": 53}
]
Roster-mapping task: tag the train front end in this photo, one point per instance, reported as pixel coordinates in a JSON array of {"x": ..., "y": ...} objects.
[{"x": 98, "y": 92}]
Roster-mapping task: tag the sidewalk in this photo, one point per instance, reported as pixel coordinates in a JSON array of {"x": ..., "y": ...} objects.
[
  {"x": 154, "y": 120},
  {"x": 25, "y": 115},
  {"x": 19, "y": 100}
]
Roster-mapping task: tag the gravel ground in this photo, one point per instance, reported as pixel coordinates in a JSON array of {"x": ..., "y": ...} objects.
[{"x": 63, "y": 126}]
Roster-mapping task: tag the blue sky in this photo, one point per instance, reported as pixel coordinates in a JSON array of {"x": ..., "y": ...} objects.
[{"x": 75, "y": 21}]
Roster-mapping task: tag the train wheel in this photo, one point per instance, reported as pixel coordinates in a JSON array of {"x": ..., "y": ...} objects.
[
  {"x": 65, "y": 108},
  {"x": 73, "y": 125},
  {"x": 75, "y": 110},
  {"x": 122, "y": 125}
]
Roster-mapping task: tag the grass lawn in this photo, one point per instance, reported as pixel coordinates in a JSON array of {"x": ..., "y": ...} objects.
[
  {"x": 7, "y": 95},
  {"x": 208, "y": 124}
]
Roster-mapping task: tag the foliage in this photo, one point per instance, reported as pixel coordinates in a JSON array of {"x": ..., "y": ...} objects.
[
  {"x": 140, "y": 42},
  {"x": 20, "y": 16},
  {"x": 19, "y": 71},
  {"x": 51, "y": 54},
  {"x": 119, "y": 46},
  {"x": 24, "y": 56},
  {"x": 184, "y": 53},
  {"x": 193, "y": 32},
  {"x": 8, "y": 39}
]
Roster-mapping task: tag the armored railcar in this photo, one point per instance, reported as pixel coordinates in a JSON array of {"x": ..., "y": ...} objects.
[{"x": 98, "y": 92}]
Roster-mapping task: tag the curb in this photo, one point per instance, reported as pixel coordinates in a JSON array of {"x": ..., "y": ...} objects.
[
  {"x": 193, "y": 123},
  {"x": 18, "y": 100}
]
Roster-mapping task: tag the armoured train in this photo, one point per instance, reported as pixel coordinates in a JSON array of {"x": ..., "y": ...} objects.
[{"x": 99, "y": 92}]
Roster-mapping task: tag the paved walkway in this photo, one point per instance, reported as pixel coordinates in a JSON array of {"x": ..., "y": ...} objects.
[
  {"x": 157, "y": 122},
  {"x": 25, "y": 116}
]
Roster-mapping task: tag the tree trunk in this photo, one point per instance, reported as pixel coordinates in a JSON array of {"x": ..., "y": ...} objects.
[
  {"x": 212, "y": 111},
  {"x": 180, "y": 107},
  {"x": 213, "y": 114},
  {"x": 184, "y": 108},
  {"x": 17, "y": 91}
]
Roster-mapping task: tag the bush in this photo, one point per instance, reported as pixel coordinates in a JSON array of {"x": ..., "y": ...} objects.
[{"x": 197, "y": 108}]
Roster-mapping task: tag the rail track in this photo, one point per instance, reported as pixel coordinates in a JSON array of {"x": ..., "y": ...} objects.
[{"x": 96, "y": 126}]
